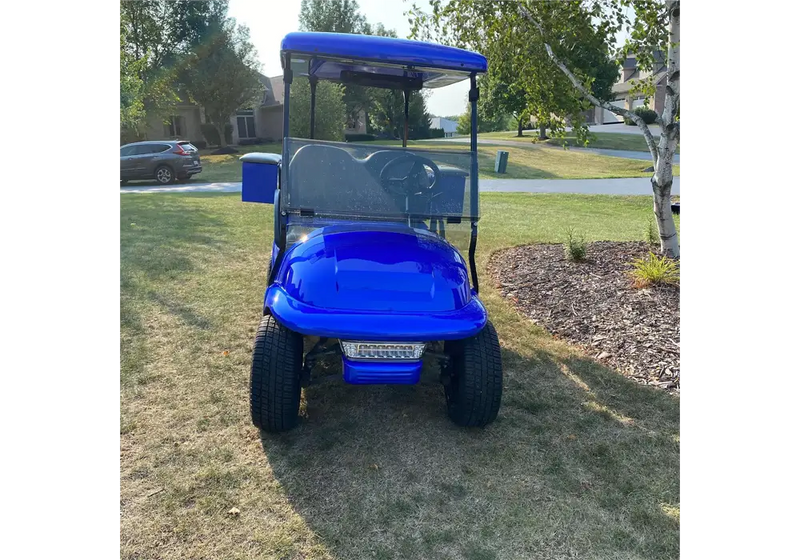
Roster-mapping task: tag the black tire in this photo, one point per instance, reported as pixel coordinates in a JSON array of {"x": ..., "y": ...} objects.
[
  {"x": 164, "y": 174},
  {"x": 275, "y": 376},
  {"x": 475, "y": 385}
]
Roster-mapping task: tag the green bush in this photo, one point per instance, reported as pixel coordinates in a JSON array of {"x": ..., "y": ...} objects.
[
  {"x": 575, "y": 246},
  {"x": 654, "y": 269},
  {"x": 647, "y": 114},
  {"x": 354, "y": 137},
  {"x": 212, "y": 136},
  {"x": 437, "y": 133}
]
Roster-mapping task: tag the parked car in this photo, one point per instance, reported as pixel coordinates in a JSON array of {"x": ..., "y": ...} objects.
[{"x": 164, "y": 160}]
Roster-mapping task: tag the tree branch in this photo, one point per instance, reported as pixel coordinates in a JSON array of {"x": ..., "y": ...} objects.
[{"x": 648, "y": 136}]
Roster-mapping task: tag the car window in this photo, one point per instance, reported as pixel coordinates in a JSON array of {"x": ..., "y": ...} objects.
[
  {"x": 143, "y": 149},
  {"x": 140, "y": 149},
  {"x": 126, "y": 151},
  {"x": 187, "y": 147}
]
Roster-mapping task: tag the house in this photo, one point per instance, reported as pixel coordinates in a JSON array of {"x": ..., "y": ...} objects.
[
  {"x": 623, "y": 95},
  {"x": 447, "y": 125},
  {"x": 261, "y": 123}
]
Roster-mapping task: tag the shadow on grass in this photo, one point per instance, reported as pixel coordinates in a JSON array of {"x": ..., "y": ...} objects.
[{"x": 581, "y": 462}]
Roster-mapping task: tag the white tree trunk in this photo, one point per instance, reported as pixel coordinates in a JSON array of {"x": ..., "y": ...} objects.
[
  {"x": 661, "y": 153},
  {"x": 668, "y": 143}
]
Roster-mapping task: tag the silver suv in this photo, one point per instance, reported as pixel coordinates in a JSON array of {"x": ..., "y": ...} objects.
[{"x": 165, "y": 161}]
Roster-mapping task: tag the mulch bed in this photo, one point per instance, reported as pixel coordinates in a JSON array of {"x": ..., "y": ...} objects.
[{"x": 592, "y": 304}]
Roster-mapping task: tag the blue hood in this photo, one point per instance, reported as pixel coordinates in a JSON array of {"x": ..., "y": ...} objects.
[{"x": 378, "y": 270}]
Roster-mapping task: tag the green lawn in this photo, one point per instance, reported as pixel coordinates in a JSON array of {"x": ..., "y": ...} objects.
[
  {"x": 581, "y": 462},
  {"x": 526, "y": 162},
  {"x": 604, "y": 140}
]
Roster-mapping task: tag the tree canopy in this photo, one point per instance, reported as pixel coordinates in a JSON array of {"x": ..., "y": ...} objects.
[
  {"x": 329, "y": 113},
  {"x": 522, "y": 81},
  {"x": 557, "y": 51},
  {"x": 173, "y": 50},
  {"x": 222, "y": 76},
  {"x": 379, "y": 106}
]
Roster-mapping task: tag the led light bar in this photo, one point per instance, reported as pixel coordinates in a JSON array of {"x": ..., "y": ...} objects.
[{"x": 383, "y": 350}]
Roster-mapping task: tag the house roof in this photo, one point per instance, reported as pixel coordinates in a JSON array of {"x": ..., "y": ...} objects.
[
  {"x": 273, "y": 90},
  {"x": 627, "y": 85},
  {"x": 630, "y": 63}
]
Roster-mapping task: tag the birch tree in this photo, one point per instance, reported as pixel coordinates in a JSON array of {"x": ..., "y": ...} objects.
[{"x": 559, "y": 27}]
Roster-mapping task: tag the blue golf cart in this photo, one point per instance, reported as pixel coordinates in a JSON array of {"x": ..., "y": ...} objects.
[{"x": 367, "y": 256}]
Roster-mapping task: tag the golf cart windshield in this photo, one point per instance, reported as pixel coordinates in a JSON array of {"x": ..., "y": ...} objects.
[
  {"x": 342, "y": 184},
  {"x": 375, "y": 182}
]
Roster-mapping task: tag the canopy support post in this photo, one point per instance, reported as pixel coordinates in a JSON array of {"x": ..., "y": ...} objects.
[
  {"x": 313, "y": 81},
  {"x": 406, "y": 95},
  {"x": 473, "y": 178}
]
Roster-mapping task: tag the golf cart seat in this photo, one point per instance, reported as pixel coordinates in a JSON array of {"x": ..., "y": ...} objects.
[{"x": 341, "y": 183}]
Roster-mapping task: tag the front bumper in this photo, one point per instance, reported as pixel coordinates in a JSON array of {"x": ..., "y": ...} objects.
[
  {"x": 365, "y": 372},
  {"x": 400, "y": 326}
]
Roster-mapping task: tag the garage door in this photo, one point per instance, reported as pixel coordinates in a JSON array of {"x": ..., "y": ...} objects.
[
  {"x": 638, "y": 102},
  {"x": 609, "y": 117}
]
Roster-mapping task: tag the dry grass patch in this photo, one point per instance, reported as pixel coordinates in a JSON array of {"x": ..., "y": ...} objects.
[{"x": 580, "y": 462}]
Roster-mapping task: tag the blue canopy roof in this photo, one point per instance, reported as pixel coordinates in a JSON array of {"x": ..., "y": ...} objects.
[{"x": 328, "y": 55}]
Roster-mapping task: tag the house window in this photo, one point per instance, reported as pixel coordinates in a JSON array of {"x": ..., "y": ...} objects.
[
  {"x": 174, "y": 126},
  {"x": 246, "y": 124}
]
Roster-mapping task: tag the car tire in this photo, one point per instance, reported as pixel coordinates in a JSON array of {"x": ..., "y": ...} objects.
[
  {"x": 275, "y": 376},
  {"x": 474, "y": 378},
  {"x": 164, "y": 175}
]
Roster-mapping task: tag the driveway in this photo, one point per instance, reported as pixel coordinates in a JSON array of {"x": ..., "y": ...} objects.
[
  {"x": 630, "y": 186},
  {"x": 622, "y": 128}
]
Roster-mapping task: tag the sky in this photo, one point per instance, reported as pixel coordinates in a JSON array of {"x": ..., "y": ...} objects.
[{"x": 270, "y": 20}]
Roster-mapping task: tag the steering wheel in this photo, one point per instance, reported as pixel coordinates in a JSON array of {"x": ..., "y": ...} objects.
[{"x": 413, "y": 183}]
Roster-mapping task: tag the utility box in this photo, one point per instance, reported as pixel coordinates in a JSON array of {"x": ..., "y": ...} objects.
[
  {"x": 260, "y": 176},
  {"x": 501, "y": 162}
]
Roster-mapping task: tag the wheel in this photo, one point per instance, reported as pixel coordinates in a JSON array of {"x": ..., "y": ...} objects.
[
  {"x": 164, "y": 175},
  {"x": 474, "y": 386},
  {"x": 275, "y": 376}
]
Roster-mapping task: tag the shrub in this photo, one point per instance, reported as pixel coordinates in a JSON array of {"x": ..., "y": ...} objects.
[
  {"x": 355, "y": 137},
  {"x": 199, "y": 144},
  {"x": 654, "y": 269},
  {"x": 437, "y": 133},
  {"x": 575, "y": 247},
  {"x": 212, "y": 136},
  {"x": 647, "y": 114},
  {"x": 651, "y": 233}
]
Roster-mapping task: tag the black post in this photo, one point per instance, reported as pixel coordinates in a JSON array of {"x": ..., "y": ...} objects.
[
  {"x": 473, "y": 178},
  {"x": 406, "y": 95},
  {"x": 280, "y": 214},
  {"x": 287, "y": 82},
  {"x": 313, "y": 81}
]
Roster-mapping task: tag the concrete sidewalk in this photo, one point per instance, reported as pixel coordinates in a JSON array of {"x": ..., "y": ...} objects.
[
  {"x": 630, "y": 186},
  {"x": 184, "y": 188}
]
